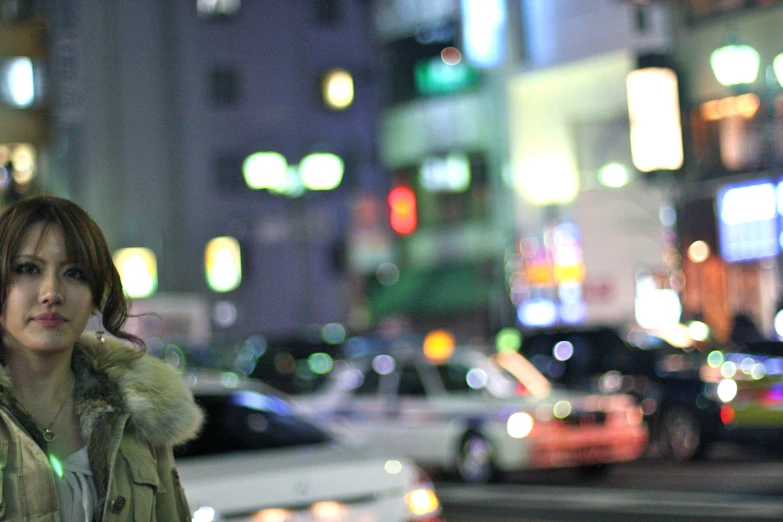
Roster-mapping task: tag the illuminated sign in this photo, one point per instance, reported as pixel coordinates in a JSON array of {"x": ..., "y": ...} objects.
[
  {"x": 434, "y": 76},
  {"x": 223, "y": 264},
  {"x": 537, "y": 313},
  {"x": 445, "y": 174},
  {"x": 484, "y": 32},
  {"x": 747, "y": 221},
  {"x": 654, "y": 112}
]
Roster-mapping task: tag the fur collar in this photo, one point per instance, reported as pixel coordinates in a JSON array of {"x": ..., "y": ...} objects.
[{"x": 113, "y": 378}]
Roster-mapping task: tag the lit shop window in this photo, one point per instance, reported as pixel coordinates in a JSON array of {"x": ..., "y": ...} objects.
[
  {"x": 21, "y": 82},
  {"x": 138, "y": 270},
  {"x": 747, "y": 221},
  {"x": 337, "y": 89},
  {"x": 223, "y": 264}
]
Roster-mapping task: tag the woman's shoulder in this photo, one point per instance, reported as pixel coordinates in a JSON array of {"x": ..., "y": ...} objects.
[{"x": 160, "y": 403}]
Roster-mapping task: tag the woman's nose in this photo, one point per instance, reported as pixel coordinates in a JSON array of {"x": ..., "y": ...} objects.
[{"x": 50, "y": 293}]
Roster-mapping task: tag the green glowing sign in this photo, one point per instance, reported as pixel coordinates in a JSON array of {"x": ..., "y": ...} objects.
[{"x": 434, "y": 76}]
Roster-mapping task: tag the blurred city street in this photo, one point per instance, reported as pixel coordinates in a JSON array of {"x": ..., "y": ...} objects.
[
  {"x": 732, "y": 484},
  {"x": 433, "y": 260}
]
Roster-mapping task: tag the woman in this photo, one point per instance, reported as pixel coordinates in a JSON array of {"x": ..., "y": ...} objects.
[{"x": 87, "y": 422}]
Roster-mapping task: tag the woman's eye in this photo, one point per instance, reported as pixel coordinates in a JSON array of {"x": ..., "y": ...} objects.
[
  {"x": 76, "y": 273},
  {"x": 25, "y": 268}
]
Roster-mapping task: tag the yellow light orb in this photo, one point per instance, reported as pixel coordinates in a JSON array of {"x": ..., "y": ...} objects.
[{"x": 438, "y": 345}]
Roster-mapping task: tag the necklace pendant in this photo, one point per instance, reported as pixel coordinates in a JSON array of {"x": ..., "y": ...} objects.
[{"x": 48, "y": 435}]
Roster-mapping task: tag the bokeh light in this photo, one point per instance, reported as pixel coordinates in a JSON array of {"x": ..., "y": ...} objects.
[
  {"x": 383, "y": 364},
  {"x": 223, "y": 264},
  {"x": 392, "y": 467},
  {"x": 438, "y": 345},
  {"x": 265, "y": 170},
  {"x": 17, "y": 81},
  {"x": 563, "y": 350},
  {"x": 519, "y": 425},
  {"x": 561, "y": 409},
  {"x": 698, "y": 330},
  {"x": 320, "y": 363},
  {"x": 224, "y": 313},
  {"x": 715, "y": 358},
  {"x": 175, "y": 357},
  {"x": 138, "y": 270},
  {"x": 477, "y": 378},
  {"x": 614, "y": 175},
  {"x": 727, "y": 390},
  {"x": 337, "y": 89},
  {"x": 699, "y": 251},
  {"x": 508, "y": 340},
  {"x": 451, "y": 56},
  {"x": 333, "y": 333},
  {"x": 387, "y": 274},
  {"x": 321, "y": 171}
]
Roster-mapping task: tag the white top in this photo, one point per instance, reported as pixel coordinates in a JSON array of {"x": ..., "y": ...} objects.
[{"x": 76, "y": 489}]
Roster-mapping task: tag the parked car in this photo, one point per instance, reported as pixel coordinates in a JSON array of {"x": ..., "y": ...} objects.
[
  {"x": 475, "y": 414},
  {"x": 255, "y": 459},
  {"x": 749, "y": 386},
  {"x": 677, "y": 388}
]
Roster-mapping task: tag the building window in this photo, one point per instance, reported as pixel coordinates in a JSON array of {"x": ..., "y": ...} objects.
[
  {"x": 224, "y": 86},
  {"x": 327, "y": 12},
  {"x": 228, "y": 172},
  {"x": 441, "y": 203}
]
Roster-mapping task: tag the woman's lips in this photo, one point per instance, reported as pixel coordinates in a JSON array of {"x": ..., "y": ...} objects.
[{"x": 51, "y": 320}]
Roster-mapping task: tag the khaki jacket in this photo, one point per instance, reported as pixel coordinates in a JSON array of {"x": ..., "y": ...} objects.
[{"x": 132, "y": 412}]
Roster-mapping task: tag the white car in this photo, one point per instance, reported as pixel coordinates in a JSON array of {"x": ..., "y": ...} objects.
[
  {"x": 477, "y": 415},
  {"x": 256, "y": 460}
]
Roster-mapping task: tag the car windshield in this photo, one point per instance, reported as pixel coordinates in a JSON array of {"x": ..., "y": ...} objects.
[
  {"x": 502, "y": 375},
  {"x": 249, "y": 420}
]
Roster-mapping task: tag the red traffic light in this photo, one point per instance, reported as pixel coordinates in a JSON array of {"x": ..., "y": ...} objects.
[{"x": 402, "y": 210}]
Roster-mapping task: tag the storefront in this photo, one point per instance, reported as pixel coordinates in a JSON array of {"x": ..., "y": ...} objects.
[
  {"x": 735, "y": 148},
  {"x": 568, "y": 125}
]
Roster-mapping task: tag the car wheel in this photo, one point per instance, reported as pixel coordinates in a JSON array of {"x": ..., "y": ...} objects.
[
  {"x": 680, "y": 436},
  {"x": 475, "y": 460}
]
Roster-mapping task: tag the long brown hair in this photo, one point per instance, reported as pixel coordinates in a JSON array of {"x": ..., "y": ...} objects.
[{"x": 85, "y": 244}]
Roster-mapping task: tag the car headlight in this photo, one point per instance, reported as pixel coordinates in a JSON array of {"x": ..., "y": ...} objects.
[
  {"x": 421, "y": 499},
  {"x": 727, "y": 390},
  {"x": 519, "y": 425}
]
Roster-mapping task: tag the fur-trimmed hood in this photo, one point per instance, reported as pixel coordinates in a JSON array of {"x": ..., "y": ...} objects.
[
  {"x": 112, "y": 377},
  {"x": 120, "y": 396},
  {"x": 160, "y": 404}
]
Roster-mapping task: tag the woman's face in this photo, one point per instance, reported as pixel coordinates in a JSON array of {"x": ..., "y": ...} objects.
[{"x": 49, "y": 301}]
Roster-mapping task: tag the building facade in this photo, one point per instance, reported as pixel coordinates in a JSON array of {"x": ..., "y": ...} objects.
[
  {"x": 154, "y": 106},
  {"x": 557, "y": 246},
  {"x": 734, "y": 143}
]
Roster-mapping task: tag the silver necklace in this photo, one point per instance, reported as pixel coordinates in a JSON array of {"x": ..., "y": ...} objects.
[{"x": 47, "y": 433}]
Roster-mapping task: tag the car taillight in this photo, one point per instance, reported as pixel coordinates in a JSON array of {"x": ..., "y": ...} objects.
[
  {"x": 726, "y": 414},
  {"x": 421, "y": 501}
]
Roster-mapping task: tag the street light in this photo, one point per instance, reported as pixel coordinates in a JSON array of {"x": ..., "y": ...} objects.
[
  {"x": 777, "y": 66},
  {"x": 321, "y": 171},
  {"x": 271, "y": 171},
  {"x": 735, "y": 63}
]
